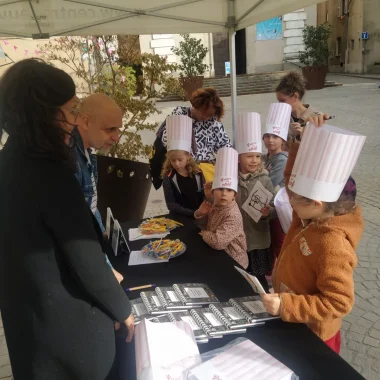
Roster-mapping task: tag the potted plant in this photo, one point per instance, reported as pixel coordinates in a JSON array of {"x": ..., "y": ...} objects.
[
  {"x": 192, "y": 67},
  {"x": 315, "y": 56},
  {"x": 124, "y": 180}
]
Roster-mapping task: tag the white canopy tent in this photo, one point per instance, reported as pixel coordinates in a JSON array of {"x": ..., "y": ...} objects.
[{"x": 46, "y": 18}]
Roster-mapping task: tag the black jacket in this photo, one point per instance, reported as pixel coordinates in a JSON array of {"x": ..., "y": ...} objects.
[
  {"x": 173, "y": 197},
  {"x": 58, "y": 297}
]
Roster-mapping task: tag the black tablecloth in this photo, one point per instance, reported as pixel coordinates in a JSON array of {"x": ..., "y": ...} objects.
[{"x": 293, "y": 344}]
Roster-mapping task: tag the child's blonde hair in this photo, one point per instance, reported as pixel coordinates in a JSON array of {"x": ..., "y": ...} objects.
[{"x": 191, "y": 166}]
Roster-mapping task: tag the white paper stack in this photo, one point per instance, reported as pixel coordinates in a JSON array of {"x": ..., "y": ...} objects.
[
  {"x": 164, "y": 350},
  {"x": 136, "y": 234},
  {"x": 244, "y": 361}
]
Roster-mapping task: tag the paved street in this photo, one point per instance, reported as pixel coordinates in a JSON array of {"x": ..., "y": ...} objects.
[{"x": 356, "y": 107}]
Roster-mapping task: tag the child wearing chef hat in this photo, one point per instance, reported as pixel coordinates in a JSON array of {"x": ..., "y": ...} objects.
[
  {"x": 183, "y": 181},
  {"x": 222, "y": 221},
  {"x": 313, "y": 278},
  {"x": 275, "y": 138},
  {"x": 251, "y": 170}
]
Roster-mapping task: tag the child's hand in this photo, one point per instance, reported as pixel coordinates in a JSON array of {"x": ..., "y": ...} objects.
[
  {"x": 208, "y": 191},
  {"x": 204, "y": 209},
  {"x": 265, "y": 211},
  {"x": 272, "y": 303}
]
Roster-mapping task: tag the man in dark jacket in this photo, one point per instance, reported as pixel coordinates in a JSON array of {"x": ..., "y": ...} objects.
[{"x": 99, "y": 124}]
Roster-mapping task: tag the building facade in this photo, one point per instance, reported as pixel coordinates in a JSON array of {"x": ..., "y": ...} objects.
[
  {"x": 355, "y": 40},
  {"x": 265, "y": 47}
]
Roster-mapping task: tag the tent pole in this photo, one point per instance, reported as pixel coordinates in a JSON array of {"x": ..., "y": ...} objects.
[{"x": 231, "y": 38}]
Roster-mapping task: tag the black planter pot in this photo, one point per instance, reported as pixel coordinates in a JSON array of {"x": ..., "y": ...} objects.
[{"x": 123, "y": 186}]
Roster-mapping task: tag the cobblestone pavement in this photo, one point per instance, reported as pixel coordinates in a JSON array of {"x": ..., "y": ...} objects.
[{"x": 356, "y": 107}]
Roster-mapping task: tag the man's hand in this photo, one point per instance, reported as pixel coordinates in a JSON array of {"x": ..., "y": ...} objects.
[
  {"x": 130, "y": 325},
  {"x": 265, "y": 211},
  {"x": 272, "y": 303}
]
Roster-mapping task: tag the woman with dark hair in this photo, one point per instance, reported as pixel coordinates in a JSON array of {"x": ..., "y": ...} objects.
[
  {"x": 58, "y": 297},
  {"x": 291, "y": 90},
  {"x": 206, "y": 110}
]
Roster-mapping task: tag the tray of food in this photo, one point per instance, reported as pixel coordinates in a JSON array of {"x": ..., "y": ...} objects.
[
  {"x": 164, "y": 249},
  {"x": 158, "y": 225}
]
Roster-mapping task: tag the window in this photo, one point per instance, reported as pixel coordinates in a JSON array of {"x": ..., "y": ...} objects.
[
  {"x": 352, "y": 44},
  {"x": 338, "y": 49}
]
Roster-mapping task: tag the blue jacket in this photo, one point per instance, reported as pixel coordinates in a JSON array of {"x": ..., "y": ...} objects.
[{"x": 84, "y": 172}]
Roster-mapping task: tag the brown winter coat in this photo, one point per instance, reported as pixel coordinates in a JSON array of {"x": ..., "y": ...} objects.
[
  {"x": 225, "y": 231},
  {"x": 314, "y": 272}
]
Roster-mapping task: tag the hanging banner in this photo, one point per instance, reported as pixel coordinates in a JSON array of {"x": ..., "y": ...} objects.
[{"x": 269, "y": 29}]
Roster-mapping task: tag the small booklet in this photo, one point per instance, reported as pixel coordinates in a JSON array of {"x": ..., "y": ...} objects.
[
  {"x": 169, "y": 299},
  {"x": 161, "y": 319},
  {"x": 230, "y": 317},
  {"x": 252, "y": 280},
  {"x": 252, "y": 308},
  {"x": 195, "y": 294},
  {"x": 152, "y": 303},
  {"x": 139, "y": 310},
  {"x": 185, "y": 316},
  {"x": 257, "y": 199},
  {"x": 211, "y": 324}
]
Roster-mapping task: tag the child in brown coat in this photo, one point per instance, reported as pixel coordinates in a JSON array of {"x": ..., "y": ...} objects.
[
  {"x": 223, "y": 221},
  {"x": 313, "y": 276},
  {"x": 224, "y": 225}
]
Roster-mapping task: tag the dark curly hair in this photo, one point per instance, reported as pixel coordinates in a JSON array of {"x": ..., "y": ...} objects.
[
  {"x": 292, "y": 83},
  {"x": 31, "y": 93},
  {"x": 206, "y": 97}
]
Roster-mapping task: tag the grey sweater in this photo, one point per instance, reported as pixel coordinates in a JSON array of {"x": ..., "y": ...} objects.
[
  {"x": 276, "y": 166},
  {"x": 257, "y": 234}
]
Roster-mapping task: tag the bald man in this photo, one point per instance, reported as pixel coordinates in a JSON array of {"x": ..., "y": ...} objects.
[{"x": 99, "y": 124}]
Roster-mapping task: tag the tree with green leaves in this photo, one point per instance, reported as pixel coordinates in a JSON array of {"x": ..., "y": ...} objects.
[
  {"x": 316, "y": 45},
  {"x": 93, "y": 62},
  {"x": 192, "y": 54}
]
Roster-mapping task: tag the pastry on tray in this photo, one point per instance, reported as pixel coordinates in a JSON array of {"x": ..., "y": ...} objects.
[
  {"x": 158, "y": 225},
  {"x": 164, "y": 249}
]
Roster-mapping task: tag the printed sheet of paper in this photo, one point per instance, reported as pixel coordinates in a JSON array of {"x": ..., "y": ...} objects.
[
  {"x": 196, "y": 293},
  {"x": 137, "y": 258},
  {"x": 164, "y": 350},
  {"x": 252, "y": 280},
  {"x": 244, "y": 361},
  {"x": 258, "y": 198},
  {"x": 135, "y": 234}
]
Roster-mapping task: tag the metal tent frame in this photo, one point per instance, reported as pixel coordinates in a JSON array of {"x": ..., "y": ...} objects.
[{"x": 231, "y": 23}]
